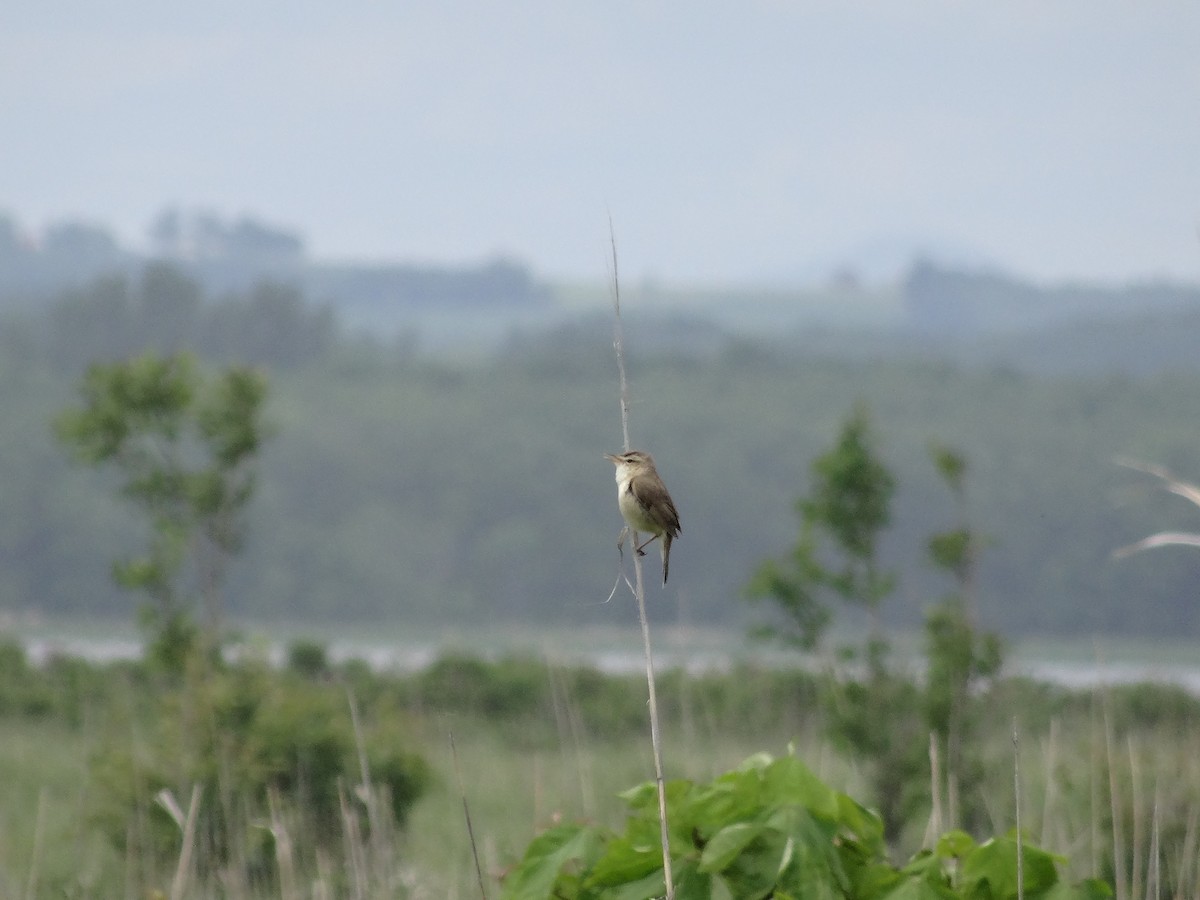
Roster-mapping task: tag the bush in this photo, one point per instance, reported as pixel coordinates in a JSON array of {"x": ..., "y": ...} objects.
[
  {"x": 245, "y": 734},
  {"x": 771, "y": 828}
]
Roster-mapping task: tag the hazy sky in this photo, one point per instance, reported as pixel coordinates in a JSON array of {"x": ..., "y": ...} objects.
[{"x": 728, "y": 140}]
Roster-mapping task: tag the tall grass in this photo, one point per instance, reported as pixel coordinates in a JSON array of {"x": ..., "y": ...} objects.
[{"x": 1110, "y": 780}]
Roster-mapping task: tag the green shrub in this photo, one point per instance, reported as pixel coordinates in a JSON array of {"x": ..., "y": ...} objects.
[
  {"x": 771, "y": 828},
  {"x": 243, "y": 734}
]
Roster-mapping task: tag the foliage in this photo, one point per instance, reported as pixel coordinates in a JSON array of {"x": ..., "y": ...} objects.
[
  {"x": 870, "y": 711},
  {"x": 408, "y": 486},
  {"x": 240, "y": 734},
  {"x": 102, "y": 738},
  {"x": 186, "y": 450},
  {"x": 770, "y": 828},
  {"x": 961, "y": 657},
  {"x": 846, "y": 509}
]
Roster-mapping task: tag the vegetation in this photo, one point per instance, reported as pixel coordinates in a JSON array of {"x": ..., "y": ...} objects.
[
  {"x": 872, "y": 712},
  {"x": 771, "y": 828},
  {"x": 186, "y": 450},
  {"x": 409, "y": 488},
  {"x": 100, "y": 765}
]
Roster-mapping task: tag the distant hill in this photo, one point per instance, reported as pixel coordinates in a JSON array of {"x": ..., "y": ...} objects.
[
  {"x": 233, "y": 257},
  {"x": 955, "y": 303},
  {"x": 972, "y": 316}
]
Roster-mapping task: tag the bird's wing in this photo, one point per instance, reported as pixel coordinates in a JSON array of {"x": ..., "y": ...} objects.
[{"x": 653, "y": 498}]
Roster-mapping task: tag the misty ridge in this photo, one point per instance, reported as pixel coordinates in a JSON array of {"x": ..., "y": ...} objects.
[
  {"x": 439, "y": 429},
  {"x": 968, "y": 315}
]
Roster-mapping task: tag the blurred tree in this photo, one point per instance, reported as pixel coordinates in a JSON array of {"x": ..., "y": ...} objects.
[
  {"x": 842, "y": 518},
  {"x": 186, "y": 448},
  {"x": 870, "y": 709},
  {"x": 960, "y": 656}
]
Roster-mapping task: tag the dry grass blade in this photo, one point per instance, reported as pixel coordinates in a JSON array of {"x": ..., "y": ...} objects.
[
  {"x": 1017, "y": 800},
  {"x": 1114, "y": 797},
  {"x": 467, "y": 815},
  {"x": 183, "y": 870},
  {"x": 934, "y": 826},
  {"x": 356, "y": 855},
  {"x": 1176, "y": 486},
  {"x": 1138, "y": 814},
  {"x": 285, "y": 860},
  {"x": 1162, "y": 539},
  {"x": 39, "y": 836},
  {"x": 1184, "y": 489},
  {"x": 640, "y": 589}
]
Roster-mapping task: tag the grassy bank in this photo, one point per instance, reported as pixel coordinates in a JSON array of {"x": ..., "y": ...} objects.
[{"x": 1109, "y": 778}]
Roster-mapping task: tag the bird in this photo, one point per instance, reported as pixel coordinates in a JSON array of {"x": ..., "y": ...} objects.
[{"x": 645, "y": 504}]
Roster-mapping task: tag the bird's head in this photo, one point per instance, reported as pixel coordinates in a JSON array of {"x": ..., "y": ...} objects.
[{"x": 637, "y": 459}]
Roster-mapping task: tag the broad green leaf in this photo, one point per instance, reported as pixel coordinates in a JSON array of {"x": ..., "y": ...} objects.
[
  {"x": 624, "y": 861},
  {"x": 788, "y": 780},
  {"x": 726, "y": 845},
  {"x": 1090, "y": 889},
  {"x": 534, "y": 877},
  {"x": 863, "y": 823},
  {"x": 990, "y": 870},
  {"x": 640, "y": 796},
  {"x": 644, "y": 797},
  {"x": 955, "y": 845},
  {"x": 733, "y": 797},
  {"x": 651, "y": 886},
  {"x": 812, "y": 865},
  {"x": 691, "y": 883},
  {"x": 757, "y": 762},
  {"x": 917, "y": 888}
]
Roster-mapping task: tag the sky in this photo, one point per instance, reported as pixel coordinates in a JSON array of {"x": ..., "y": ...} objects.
[{"x": 764, "y": 140}]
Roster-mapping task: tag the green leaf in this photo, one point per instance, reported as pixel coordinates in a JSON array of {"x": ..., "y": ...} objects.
[
  {"x": 788, "y": 780},
  {"x": 918, "y": 888},
  {"x": 955, "y": 845},
  {"x": 691, "y": 883},
  {"x": 754, "y": 872},
  {"x": 726, "y": 845},
  {"x": 990, "y": 870},
  {"x": 624, "y": 860},
  {"x": 1090, "y": 889},
  {"x": 535, "y": 876},
  {"x": 652, "y": 885},
  {"x": 812, "y": 862},
  {"x": 865, "y": 824}
]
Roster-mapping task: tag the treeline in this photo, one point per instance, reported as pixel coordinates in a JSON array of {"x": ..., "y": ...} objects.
[
  {"x": 164, "y": 310},
  {"x": 407, "y": 489},
  {"x": 234, "y": 256},
  {"x": 954, "y": 303}
]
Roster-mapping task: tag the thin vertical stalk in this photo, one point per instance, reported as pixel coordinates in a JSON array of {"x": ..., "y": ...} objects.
[
  {"x": 1139, "y": 819},
  {"x": 1050, "y": 796},
  {"x": 1017, "y": 800},
  {"x": 467, "y": 815},
  {"x": 1114, "y": 799},
  {"x": 1153, "y": 876},
  {"x": 639, "y": 590},
  {"x": 935, "y": 826},
  {"x": 39, "y": 835},
  {"x": 184, "y": 868}
]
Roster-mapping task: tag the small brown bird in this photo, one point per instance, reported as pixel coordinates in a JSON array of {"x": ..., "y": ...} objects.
[{"x": 645, "y": 504}]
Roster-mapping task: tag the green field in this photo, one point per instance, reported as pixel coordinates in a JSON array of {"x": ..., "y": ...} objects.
[{"x": 539, "y": 741}]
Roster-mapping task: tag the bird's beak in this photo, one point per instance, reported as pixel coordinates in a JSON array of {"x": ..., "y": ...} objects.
[{"x": 612, "y": 459}]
